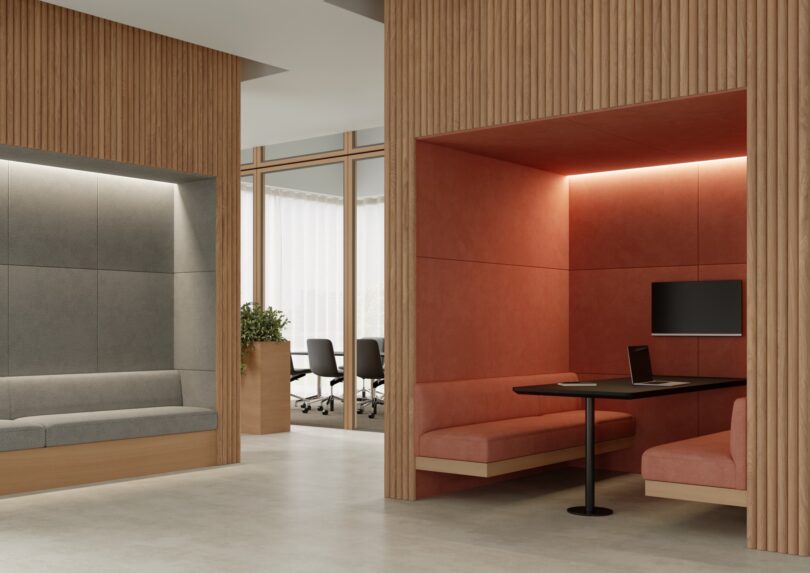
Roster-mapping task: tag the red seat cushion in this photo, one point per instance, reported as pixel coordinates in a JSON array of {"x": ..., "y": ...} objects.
[
  {"x": 518, "y": 437},
  {"x": 705, "y": 460}
]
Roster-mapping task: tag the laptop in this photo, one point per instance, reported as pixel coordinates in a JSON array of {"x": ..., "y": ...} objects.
[{"x": 641, "y": 368}]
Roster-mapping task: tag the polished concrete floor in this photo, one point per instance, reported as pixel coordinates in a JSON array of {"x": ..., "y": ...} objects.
[{"x": 312, "y": 500}]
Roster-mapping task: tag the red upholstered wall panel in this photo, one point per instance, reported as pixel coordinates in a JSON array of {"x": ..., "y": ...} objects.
[
  {"x": 629, "y": 229},
  {"x": 492, "y": 286},
  {"x": 473, "y": 208},
  {"x": 634, "y": 218},
  {"x": 482, "y": 320},
  {"x": 491, "y": 273},
  {"x": 722, "y": 212}
]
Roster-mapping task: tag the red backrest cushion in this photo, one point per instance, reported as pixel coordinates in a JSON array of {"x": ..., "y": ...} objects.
[
  {"x": 461, "y": 402},
  {"x": 739, "y": 440}
]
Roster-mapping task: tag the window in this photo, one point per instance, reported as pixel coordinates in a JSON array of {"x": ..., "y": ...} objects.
[
  {"x": 311, "y": 146},
  {"x": 303, "y": 251},
  {"x": 246, "y": 199},
  {"x": 369, "y": 186},
  {"x": 369, "y": 137}
]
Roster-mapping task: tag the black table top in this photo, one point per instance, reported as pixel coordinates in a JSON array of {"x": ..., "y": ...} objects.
[{"x": 622, "y": 389}]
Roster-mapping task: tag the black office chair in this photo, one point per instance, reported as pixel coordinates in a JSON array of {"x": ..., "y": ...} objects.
[
  {"x": 297, "y": 374},
  {"x": 370, "y": 367},
  {"x": 322, "y": 363},
  {"x": 363, "y": 392}
]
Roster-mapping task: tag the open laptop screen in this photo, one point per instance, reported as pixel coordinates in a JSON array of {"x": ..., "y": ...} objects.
[{"x": 640, "y": 367}]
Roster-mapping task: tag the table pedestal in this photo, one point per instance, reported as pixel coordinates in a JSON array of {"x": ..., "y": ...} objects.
[{"x": 589, "y": 509}]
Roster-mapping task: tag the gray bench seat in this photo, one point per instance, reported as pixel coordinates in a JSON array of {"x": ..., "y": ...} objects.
[
  {"x": 64, "y": 409},
  {"x": 86, "y": 427},
  {"x": 15, "y": 435}
]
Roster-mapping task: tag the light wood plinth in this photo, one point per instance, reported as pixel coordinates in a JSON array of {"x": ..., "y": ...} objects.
[
  {"x": 492, "y": 469},
  {"x": 699, "y": 493},
  {"x": 265, "y": 395},
  {"x": 62, "y": 466}
]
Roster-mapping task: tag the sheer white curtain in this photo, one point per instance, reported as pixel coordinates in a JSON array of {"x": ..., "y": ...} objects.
[
  {"x": 246, "y": 199},
  {"x": 304, "y": 263},
  {"x": 370, "y": 266}
]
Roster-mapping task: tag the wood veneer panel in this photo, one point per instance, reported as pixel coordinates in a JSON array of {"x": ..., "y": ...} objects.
[
  {"x": 61, "y": 466},
  {"x": 80, "y": 85}
]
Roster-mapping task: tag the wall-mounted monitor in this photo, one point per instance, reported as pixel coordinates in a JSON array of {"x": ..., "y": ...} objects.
[{"x": 697, "y": 308}]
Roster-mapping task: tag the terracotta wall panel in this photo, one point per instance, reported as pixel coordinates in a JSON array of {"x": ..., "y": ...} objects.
[
  {"x": 722, "y": 187},
  {"x": 610, "y": 309},
  {"x": 475, "y": 208},
  {"x": 480, "y": 320},
  {"x": 634, "y": 218}
]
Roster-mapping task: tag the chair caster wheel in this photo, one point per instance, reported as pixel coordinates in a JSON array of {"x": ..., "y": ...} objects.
[
  {"x": 359, "y": 411},
  {"x": 320, "y": 408},
  {"x": 325, "y": 412},
  {"x": 371, "y": 416}
]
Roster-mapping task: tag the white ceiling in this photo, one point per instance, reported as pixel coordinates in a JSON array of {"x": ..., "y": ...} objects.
[{"x": 334, "y": 58}]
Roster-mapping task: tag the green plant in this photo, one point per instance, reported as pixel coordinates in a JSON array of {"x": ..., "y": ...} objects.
[{"x": 260, "y": 325}]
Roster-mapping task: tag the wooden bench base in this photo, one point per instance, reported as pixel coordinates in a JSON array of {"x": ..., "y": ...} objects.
[
  {"x": 492, "y": 469},
  {"x": 700, "y": 493},
  {"x": 61, "y": 466}
]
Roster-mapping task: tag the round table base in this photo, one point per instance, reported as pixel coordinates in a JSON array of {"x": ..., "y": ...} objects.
[{"x": 596, "y": 512}]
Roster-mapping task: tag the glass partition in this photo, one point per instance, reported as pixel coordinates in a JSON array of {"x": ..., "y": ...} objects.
[
  {"x": 246, "y": 260},
  {"x": 369, "y": 193},
  {"x": 369, "y": 185},
  {"x": 303, "y": 255}
]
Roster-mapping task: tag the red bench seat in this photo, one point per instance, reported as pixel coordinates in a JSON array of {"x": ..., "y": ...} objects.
[
  {"x": 710, "y": 468},
  {"x": 518, "y": 437},
  {"x": 482, "y": 428}
]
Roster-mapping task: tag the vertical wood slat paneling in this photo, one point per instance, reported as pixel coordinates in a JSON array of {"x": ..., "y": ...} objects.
[
  {"x": 74, "y": 84},
  {"x": 596, "y": 54}
]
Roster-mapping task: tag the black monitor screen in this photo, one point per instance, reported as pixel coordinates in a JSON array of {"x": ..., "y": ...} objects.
[{"x": 697, "y": 308}]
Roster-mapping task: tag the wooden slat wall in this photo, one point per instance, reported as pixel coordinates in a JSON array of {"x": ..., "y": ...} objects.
[
  {"x": 778, "y": 267},
  {"x": 75, "y": 84},
  {"x": 462, "y": 64}
]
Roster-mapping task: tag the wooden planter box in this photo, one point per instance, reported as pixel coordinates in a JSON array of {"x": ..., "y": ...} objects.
[{"x": 265, "y": 397}]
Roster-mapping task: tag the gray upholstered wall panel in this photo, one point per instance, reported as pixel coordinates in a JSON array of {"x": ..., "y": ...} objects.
[
  {"x": 135, "y": 321},
  {"x": 199, "y": 388},
  {"x": 53, "y": 320},
  {"x": 194, "y": 320},
  {"x": 65, "y": 394},
  {"x": 52, "y": 217},
  {"x": 3, "y": 321},
  {"x": 195, "y": 226},
  {"x": 3, "y": 212},
  {"x": 135, "y": 224}
]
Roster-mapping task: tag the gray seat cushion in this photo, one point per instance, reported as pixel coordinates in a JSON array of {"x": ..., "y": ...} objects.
[
  {"x": 86, "y": 427},
  {"x": 69, "y": 393},
  {"x": 15, "y": 435}
]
